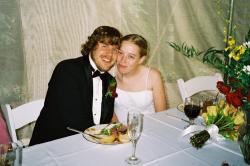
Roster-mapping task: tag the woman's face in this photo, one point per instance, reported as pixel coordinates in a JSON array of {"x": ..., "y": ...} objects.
[{"x": 129, "y": 59}]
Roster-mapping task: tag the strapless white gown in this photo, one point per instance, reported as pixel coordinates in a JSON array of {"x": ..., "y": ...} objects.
[{"x": 127, "y": 100}]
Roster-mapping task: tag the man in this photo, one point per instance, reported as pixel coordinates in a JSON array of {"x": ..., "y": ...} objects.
[{"x": 78, "y": 95}]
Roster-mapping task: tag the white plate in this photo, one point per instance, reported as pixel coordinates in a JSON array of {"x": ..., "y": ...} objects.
[{"x": 95, "y": 130}]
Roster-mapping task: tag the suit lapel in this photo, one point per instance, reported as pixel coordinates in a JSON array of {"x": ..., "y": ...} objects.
[
  {"x": 105, "y": 100},
  {"x": 88, "y": 73}
]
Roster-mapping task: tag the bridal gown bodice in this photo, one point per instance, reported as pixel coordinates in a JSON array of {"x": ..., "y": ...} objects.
[{"x": 127, "y": 100}]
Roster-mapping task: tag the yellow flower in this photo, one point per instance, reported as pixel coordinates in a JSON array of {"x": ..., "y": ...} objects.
[
  {"x": 225, "y": 111},
  {"x": 212, "y": 110},
  {"x": 237, "y": 52},
  {"x": 221, "y": 103},
  {"x": 241, "y": 49},
  {"x": 238, "y": 119},
  {"x": 241, "y": 113},
  {"x": 234, "y": 56},
  {"x": 228, "y": 110},
  {"x": 231, "y": 109},
  {"x": 205, "y": 117},
  {"x": 231, "y": 43}
]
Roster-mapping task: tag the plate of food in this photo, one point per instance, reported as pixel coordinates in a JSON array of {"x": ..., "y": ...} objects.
[{"x": 108, "y": 134}]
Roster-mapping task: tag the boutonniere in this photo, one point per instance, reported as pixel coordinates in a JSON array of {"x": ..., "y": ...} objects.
[{"x": 111, "y": 92}]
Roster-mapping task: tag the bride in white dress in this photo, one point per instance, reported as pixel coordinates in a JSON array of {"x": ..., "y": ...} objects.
[{"x": 138, "y": 87}]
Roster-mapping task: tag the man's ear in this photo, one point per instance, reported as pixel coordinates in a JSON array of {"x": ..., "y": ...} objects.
[{"x": 142, "y": 59}]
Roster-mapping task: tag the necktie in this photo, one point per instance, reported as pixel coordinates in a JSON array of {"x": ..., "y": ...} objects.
[{"x": 97, "y": 73}]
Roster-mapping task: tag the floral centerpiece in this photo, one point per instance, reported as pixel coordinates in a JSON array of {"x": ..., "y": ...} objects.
[
  {"x": 222, "y": 117},
  {"x": 237, "y": 87},
  {"x": 228, "y": 114}
]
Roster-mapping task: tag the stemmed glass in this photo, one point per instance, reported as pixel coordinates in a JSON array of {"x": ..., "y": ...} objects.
[
  {"x": 192, "y": 108},
  {"x": 135, "y": 125},
  {"x": 10, "y": 154}
]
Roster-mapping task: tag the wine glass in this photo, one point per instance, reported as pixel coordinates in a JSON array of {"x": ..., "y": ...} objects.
[
  {"x": 192, "y": 108},
  {"x": 135, "y": 125},
  {"x": 10, "y": 154}
]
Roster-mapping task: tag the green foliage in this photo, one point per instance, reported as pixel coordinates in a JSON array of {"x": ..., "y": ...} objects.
[
  {"x": 211, "y": 56},
  {"x": 215, "y": 58},
  {"x": 185, "y": 49},
  {"x": 233, "y": 62}
]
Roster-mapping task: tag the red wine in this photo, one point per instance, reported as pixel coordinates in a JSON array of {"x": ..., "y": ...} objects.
[{"x": 192, "y": 111}]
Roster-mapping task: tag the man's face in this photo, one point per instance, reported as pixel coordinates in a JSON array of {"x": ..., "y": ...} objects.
[{"x": 104, "y": 55}]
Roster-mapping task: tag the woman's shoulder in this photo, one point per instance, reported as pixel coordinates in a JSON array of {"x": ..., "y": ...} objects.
[
  {"x": 154, "y": 76},
  {"x": 154, "y": 73}
]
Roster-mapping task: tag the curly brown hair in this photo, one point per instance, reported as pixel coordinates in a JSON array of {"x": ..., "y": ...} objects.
[{"x": 102, "y": 34}]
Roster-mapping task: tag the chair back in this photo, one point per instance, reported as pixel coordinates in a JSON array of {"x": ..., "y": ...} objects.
[
  {"x": 21, "y": 115},
  {"x": 198, "y": 84}
]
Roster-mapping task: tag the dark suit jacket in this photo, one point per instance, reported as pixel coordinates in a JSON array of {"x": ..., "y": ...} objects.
[{"x": 68, "y": 102}]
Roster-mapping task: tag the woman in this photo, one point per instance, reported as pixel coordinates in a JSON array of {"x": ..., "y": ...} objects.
[{"x": 138, "y": 87}]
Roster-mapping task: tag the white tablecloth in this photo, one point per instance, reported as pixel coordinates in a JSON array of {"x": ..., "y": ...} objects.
[{"x": 161, "y": 144}]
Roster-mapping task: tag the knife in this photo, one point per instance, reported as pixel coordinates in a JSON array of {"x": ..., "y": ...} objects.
[
  {"x": 177, "y": 117},
  {"x": 201, "y": 123},
  {"x": 78, "y": 131}
]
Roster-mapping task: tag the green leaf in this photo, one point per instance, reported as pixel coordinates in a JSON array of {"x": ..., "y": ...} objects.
[
  {"x": 185, "y": 49},
  {"x": 211, "y": 56},
  {"x": 215, "y": 58}
]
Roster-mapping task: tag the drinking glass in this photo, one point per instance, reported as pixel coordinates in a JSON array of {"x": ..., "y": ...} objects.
[
  {"x": 135, "y": 125},
  {"x": 10, "y": 154},
  {"x": 192, "y": 108}
]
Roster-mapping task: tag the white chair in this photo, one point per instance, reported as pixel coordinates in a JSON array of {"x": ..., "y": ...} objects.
[
  {"x": 21, "y": 116},
  {"x": 198, "y": 84}
]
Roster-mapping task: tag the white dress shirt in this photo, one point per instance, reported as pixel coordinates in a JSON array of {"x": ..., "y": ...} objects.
[{"x": 97, "y": 95}]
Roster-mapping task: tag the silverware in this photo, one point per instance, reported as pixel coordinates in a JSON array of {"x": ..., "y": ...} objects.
[
  {"x": 201, "y": 123},
  {"x": 177, "y": 117},
  {"x": 78, "y": 131}
]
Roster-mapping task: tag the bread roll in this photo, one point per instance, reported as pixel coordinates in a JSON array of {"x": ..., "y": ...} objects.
[
  {"x": 123, "y": 138},
  {"x": 107, "y": 139}
]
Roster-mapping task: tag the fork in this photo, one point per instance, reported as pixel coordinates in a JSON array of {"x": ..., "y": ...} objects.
[{"x": 78, "y": 131}]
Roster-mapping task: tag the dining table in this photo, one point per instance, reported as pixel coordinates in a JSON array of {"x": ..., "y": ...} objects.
[{"x": 162, "y": 143}]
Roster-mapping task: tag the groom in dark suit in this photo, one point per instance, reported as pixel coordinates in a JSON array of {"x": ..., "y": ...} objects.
[{"x": 80, "y": 92}]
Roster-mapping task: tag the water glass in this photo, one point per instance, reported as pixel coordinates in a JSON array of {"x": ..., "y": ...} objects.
[
  {"x": 10, "y": 154},
  {"x": 135, "y": 125}
]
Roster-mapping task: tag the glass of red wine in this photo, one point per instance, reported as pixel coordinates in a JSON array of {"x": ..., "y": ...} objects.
[{"x": 192, "y": 108}]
